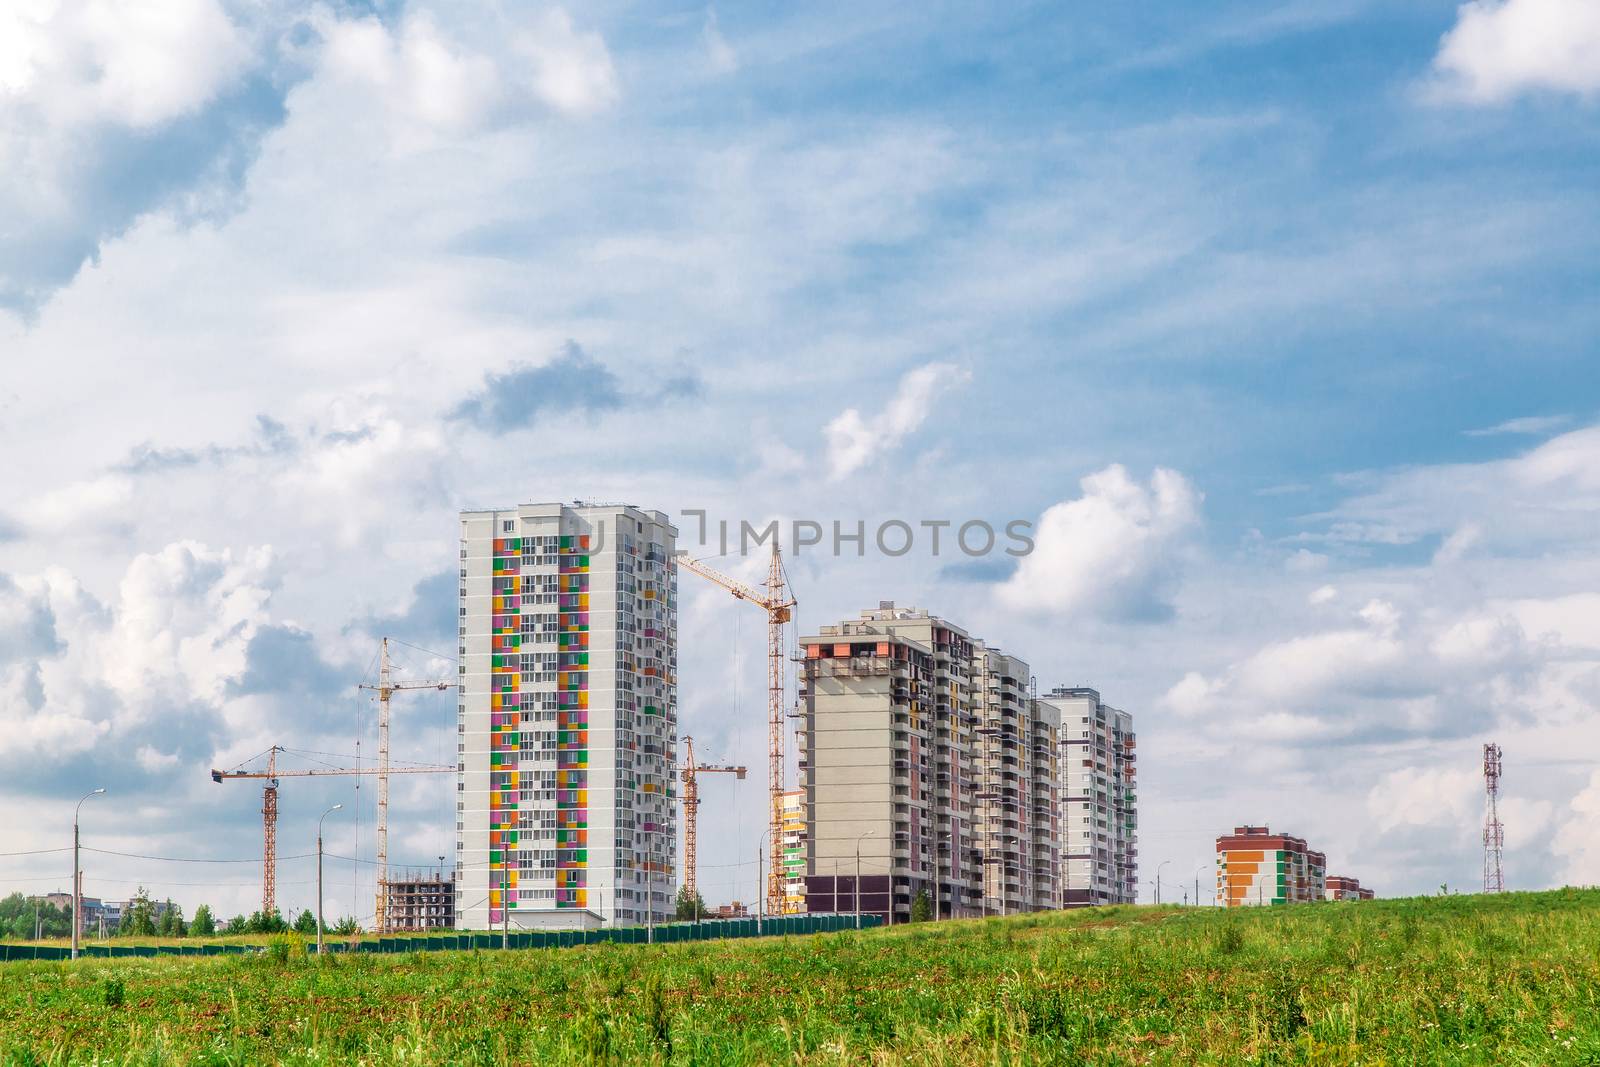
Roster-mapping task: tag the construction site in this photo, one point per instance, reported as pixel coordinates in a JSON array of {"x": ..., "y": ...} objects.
[{"x": 934, "y": 778}]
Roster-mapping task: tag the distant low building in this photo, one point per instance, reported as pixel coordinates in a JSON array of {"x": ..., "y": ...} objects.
[
  {"x": 734, "y": 910},
  {"x": 1258, "y": 867},
  {"x": 1339, "y": 887}
]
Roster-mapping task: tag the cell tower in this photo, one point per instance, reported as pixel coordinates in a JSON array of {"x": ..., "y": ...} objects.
[{"x": 1494, "y": 835}]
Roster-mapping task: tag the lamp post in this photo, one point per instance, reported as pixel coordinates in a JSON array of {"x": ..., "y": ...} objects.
[
  {"x": 761, "y": 895},
  {"x": 77, "y": 877},
  {"x": 1197, "y": 871},
  {"x": 324, "y": 815},
  {"x": 1160, "y": 865},
  {"x": 856, "y": 888}
]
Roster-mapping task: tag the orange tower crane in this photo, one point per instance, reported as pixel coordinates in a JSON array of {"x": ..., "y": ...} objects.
[
  {"x": 269, "y": 808},
  {"x": 691, "y": 805},
  {"x": 779, "y": 606}
]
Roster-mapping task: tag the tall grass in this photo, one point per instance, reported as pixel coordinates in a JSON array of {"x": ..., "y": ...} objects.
[{"x": 1513, "y": 979}]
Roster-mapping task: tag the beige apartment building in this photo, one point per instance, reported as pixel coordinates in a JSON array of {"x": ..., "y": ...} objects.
[{"x": 924, "y": 754}]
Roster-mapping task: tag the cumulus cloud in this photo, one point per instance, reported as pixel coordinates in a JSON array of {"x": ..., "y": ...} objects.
[
  {"x": 1578, "y": 840},
  {"x": 1447, "y": 798},
  {"x": 176, "y": 633},
  {"x": 1381, "y": 675},
  {"x": 1499, "y": 49},
  {"x": 137, "y": 65},
  {"x": 106, "y": 110},
  {"x": 853, "y": 439},
  {"x": 1112, "y": 551}
]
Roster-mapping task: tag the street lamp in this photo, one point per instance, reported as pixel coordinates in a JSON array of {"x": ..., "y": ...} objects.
[
  {"x": 324, "y": 815},
  {"x": 761, "y": 885},
  {"x": 77, "y": 876},
  {"x": 857, "y": 886},
  {"x": 1197, "y": 871},
  {"x": 1160, "y": 865}
]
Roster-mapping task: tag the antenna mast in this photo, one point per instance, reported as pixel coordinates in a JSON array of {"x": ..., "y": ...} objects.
[{"x": 1494, "y": 834}]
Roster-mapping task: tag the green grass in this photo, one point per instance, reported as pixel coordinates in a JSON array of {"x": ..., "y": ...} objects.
[{"x": 1513, "y": 979}]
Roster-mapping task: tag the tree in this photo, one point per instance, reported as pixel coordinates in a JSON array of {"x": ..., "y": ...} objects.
[
  {"x": 348, "y": 927},
  {"x": 203, "y": 924},
  {"x": 690, "y": 905},
  {"x": 266, "y": 923},
  {"x": 172, "y": 921},
  {"x": 306, "y": 923},
  {"x": 138, "y": 916},
  {"x": 237, "y": 925},
  {"x": 921, "y": 908}
]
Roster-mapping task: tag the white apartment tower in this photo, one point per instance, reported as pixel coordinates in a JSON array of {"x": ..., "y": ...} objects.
[
  {"x": 1099, "y": 814},
  {"x": 567, "y": 721}
]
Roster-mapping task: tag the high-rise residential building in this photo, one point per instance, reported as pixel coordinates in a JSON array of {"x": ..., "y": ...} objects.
[
  {"x": 794, "y": 851},
  {"x": 1340, "y": 887},
  {"x": 1258, "y": 867},
  {"x": 888, "y": 706},
  {"x": 1099, "y": 800},
  {"x": 928, "y": 752},
  {"x": 567, "y": 716},
  {"x": 1017, "y": 823}
]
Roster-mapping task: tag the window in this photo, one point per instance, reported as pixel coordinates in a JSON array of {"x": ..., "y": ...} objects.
[{"x": 508, "y": 525}]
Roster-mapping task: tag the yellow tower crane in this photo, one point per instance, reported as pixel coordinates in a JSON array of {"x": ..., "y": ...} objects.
[
  {"x": 691, "y": 806},
  {"x": 385, "y": 689},
  {"x": 779, "y": 606}
]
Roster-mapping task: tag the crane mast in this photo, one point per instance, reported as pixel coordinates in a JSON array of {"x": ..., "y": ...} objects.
[
  {"x": 778, "y": 604},
  {"x": 386, "y": 688},
  {"x": 691, "y": 806}
]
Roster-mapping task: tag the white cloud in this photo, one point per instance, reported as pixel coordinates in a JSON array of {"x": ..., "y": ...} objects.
[
  {"x": 174, "y": 637},
  {"x": 1322, "y": 595},
  {"x": 416, "y": 73},
  {"x": 1578, "y": 839},
  {"x": 71, "y": 508},
  {"x": 1499, "y": 49},
  {"x": 138, "y": 65},
  {"x": 723, "y": 59},
  {"x": 1533, "y": 425},
  {"x": 1303, "y": 561},
  {"x": 853, "y": 440},
  {"x": 1458, "y": 544},
  {"x": 571, "y": 70},
  {"x": 1445, "y": 798},
  {"x": 1111, "y": 551}
]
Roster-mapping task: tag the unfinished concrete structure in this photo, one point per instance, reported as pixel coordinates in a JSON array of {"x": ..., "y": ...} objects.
[{"x": 417, "y": 901}]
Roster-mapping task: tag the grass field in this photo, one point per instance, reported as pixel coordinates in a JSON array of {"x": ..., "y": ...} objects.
[{"x": 1513, "y": 979}]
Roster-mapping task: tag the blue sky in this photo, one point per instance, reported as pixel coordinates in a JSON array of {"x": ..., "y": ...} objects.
[{"x": 1278, "y": 321}]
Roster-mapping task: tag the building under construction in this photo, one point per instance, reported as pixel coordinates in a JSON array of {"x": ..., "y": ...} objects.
[
  {"x": 930, "y": 756},
  {"x": 419, "y": 901}
]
